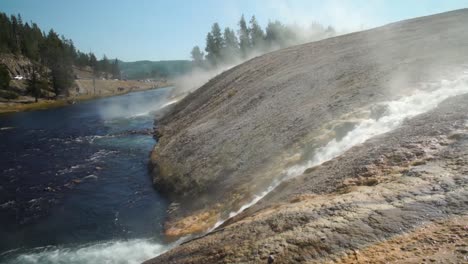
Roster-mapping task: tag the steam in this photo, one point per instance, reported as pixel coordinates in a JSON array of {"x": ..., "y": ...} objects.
[
  {"x": 304, "y": 22},
  {"x": 125, "y": 252},
  {"x": 345, "y": 16},
  {"x": 138, "y": 105},
  {"x": 286, "y": 35},
  {"x": 397, "y": 111},
  {"x": 189, "y": 82}
]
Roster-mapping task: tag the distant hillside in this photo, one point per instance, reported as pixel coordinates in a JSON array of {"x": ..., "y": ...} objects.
[{"x": 154, "y": 69}]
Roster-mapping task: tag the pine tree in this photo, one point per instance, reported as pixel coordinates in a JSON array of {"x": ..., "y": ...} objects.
[
  {"x": 210, "y": 49},
  {"x": 231, "y": 48},
  {"x": 55, "y": 57},
  {"x": 4, "y": 33},
  {"x": 115, "y": 70},
  {"x": 36, "y": 39},
  {"x": 330, "y": 31},
  {"x": 4, "y": 77},
  {"x": 33, "y": 85},
  {"x": 69, "y": 50},
  {"x": 197, "y": 56},
  {"x": 214, "y": 46},
  {"x": 244, "y": 41},
  {"x": 218, "y": 40},
  {"x": 257, "y": 35},
  {"x": 275, "y": 34},
  {"x": 58, "y": 54},
  {"x": 105, "y": 66},
  {"x": 82, "y": 60},
  {"x": 94, "y": 64},
  {"x": 15, "y": 45}
]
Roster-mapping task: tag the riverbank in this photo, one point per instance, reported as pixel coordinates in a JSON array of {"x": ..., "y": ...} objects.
[{"x": 29, "y": 104}]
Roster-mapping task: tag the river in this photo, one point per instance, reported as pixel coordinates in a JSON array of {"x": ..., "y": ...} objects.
[{"x": 75, "y": 186}]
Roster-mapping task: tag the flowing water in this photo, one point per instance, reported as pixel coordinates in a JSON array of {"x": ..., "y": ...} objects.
[
  {"x": 423, "y": 99},
  {"x": 74, "y": 183}
]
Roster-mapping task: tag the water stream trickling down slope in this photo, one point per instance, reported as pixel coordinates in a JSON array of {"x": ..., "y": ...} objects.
[{"x": 420, "y": 101}]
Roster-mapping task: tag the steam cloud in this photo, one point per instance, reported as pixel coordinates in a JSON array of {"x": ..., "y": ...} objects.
[{"x": 301, "y": 19}]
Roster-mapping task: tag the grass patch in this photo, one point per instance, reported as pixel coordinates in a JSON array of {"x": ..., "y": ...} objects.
[{"x": 18, "y": 107}]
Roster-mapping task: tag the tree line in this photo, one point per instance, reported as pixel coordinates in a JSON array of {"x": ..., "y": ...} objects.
[
  {"x": 55, "y": 52},
  {"x": 224, "y": 47}
]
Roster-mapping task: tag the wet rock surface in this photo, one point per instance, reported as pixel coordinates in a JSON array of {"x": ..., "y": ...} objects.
[
  {"x": 232, "y": 137},
  {"x": 360, "y": 205}
]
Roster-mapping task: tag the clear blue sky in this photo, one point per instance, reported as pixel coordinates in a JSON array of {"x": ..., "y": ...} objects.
[{"x": 168, "y": 29}]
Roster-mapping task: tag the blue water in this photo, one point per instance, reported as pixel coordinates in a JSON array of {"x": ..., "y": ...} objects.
[{"x": 74, "y": 182}]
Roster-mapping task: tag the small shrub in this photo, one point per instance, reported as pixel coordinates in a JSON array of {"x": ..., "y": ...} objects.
[
  {"x": 9, "y": 95},
  {"x": 370, "y": 182},
  {"x": 231, "y": 93}
]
